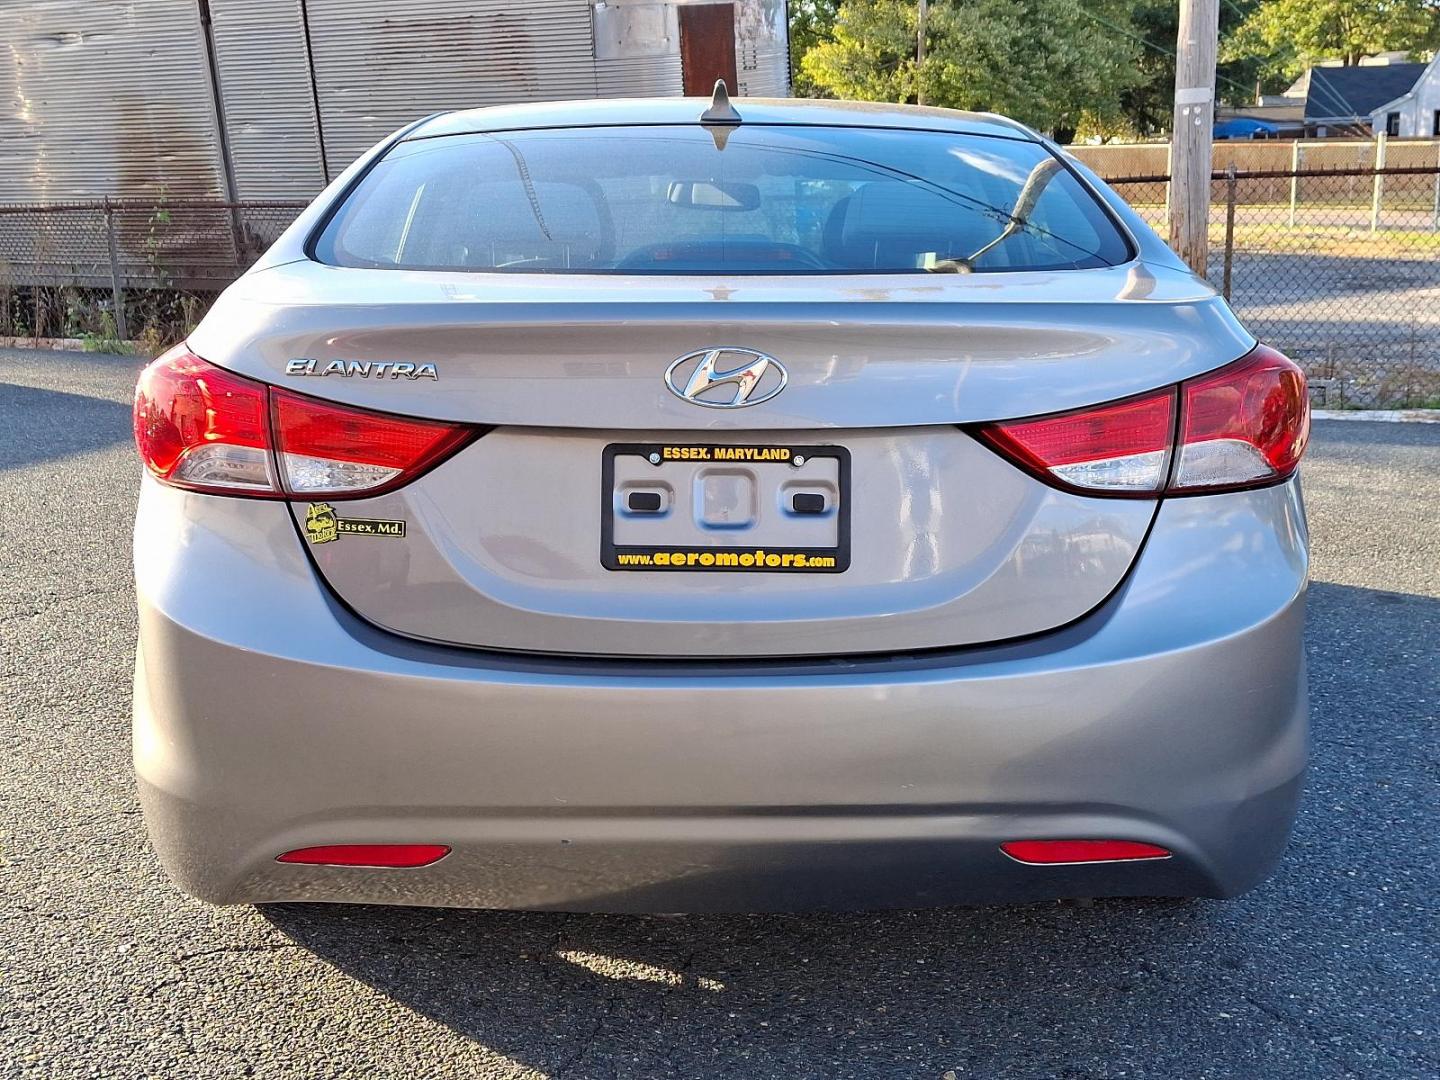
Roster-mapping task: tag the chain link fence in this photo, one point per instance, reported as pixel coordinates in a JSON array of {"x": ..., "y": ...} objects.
[
  {"x": 114, "y": 271},
  {"x": 1256, "y": 155},
  {"x": 1339, "y": 267}
]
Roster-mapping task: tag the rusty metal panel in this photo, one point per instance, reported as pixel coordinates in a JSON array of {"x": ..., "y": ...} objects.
[
  {"x": 762, "y": 48},
  {"x": 707, "y": 46},
  {"x": 382, "y": 63},
  {"x": 263, "y": 70},
  {"x": 106, "y": 98}
]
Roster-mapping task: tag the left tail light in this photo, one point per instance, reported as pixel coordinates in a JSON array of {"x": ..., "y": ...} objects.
[
  {"x": 334, "y": 450},
  {"x": 203, "y": 428}
]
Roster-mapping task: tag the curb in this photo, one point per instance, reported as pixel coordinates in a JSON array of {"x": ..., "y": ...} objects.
[
  {"x": 1391, "y": 416},
  {"x": 58, "y": 344},
  {"x": 68, "y": 344}
]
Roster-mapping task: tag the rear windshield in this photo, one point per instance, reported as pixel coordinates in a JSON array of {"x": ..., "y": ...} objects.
[{"x": 741, "y": 200}]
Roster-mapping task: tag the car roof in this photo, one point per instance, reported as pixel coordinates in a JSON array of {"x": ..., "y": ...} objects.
[{"x": 649, "y": 111}]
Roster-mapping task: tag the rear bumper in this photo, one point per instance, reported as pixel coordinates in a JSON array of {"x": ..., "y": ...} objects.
[{"x": 267, "y": 718}]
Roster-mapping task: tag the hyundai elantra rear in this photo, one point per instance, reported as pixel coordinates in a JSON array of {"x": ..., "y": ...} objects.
[{"x": 610, "y": 506}]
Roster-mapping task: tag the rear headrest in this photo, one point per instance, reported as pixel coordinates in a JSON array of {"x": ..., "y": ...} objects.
[
  {"x": 891, "y": 209},
  {"x": 890, "y": 223}
]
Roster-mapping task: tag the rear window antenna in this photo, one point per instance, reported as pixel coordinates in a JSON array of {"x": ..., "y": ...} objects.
[
  {"x": 720, "y": 118},
  {"x": 720, "y": 110}
]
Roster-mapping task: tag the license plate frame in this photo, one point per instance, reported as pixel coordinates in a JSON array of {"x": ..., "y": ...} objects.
[{"x": 748, "y": 557}]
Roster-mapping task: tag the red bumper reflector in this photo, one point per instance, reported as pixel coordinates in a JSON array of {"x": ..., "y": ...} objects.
[
  {"x": 367, "y": 855},
  {"x": 1081, "y": 851}
]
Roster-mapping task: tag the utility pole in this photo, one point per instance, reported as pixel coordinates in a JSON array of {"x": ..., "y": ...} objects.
[
  {"x": 920, "y": 51},
  {"x": 1191, "y": 131}
]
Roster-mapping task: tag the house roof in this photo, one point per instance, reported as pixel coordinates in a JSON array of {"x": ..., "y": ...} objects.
[
  {"x": 1353, "y": 93},
  {"x": 1431, "y": 69}
]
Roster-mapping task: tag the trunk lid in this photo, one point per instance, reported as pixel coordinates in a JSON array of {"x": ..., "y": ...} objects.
[{"x": 944, "y": 543}]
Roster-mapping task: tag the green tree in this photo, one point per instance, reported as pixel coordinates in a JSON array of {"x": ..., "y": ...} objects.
[
  {"x": 1291, "y": 35},
  {"x": 1047, "y": 63},
  {"x": 811, "y": 22},
  {"x": 870, "y": 55}
]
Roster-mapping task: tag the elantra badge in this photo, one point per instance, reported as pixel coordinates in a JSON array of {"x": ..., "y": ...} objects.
[
  {"x": 365, "y": 369},
  {"x": 726, "y": 378}
]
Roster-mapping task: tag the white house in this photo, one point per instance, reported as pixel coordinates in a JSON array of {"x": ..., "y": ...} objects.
[{"x": 1415, "y": 113}]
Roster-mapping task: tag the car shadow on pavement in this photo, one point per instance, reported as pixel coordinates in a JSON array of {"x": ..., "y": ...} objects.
[
  {"x": 903, "y": 993},
  {"x": 42, "y": 425}
]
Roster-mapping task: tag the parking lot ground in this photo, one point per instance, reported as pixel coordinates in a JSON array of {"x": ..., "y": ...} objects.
[{"x": 1328, "y": 970}]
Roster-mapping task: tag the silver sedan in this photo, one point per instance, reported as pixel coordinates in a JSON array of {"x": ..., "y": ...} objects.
[{"x": 666, "y": 505}]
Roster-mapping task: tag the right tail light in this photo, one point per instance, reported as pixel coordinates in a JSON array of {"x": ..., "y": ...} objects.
[{"x": 1242, "y": 426}]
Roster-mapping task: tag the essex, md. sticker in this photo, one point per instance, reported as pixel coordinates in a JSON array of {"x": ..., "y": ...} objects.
[{"x": 322, "y": 525}]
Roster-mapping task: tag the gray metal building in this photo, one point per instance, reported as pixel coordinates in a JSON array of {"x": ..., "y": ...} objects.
[{"x": 269, "y": 99}]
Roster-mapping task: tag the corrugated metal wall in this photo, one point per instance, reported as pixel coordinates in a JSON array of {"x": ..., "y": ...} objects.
[
  {"x": 762, "y": 48},
  {"x": 117, "y": 97},
  {"x": 100, "y": 97},
  {"x": 642, "y": 76},
  {"x": 263, "y": 68},
  {"x": 382, "y": 63}
]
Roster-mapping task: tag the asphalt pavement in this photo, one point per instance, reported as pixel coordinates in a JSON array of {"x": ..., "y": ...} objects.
[{"x": 1328, "y": 970}]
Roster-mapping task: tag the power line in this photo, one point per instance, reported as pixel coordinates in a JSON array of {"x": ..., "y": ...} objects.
[
  {"x": 1150, "y": 44},
  {"x": 1334, "y": 99},
  {"x": 1334, "y": 96}
]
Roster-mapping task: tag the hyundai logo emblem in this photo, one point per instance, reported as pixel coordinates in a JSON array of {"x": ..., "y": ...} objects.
[{"x": 726, "y": 377}]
